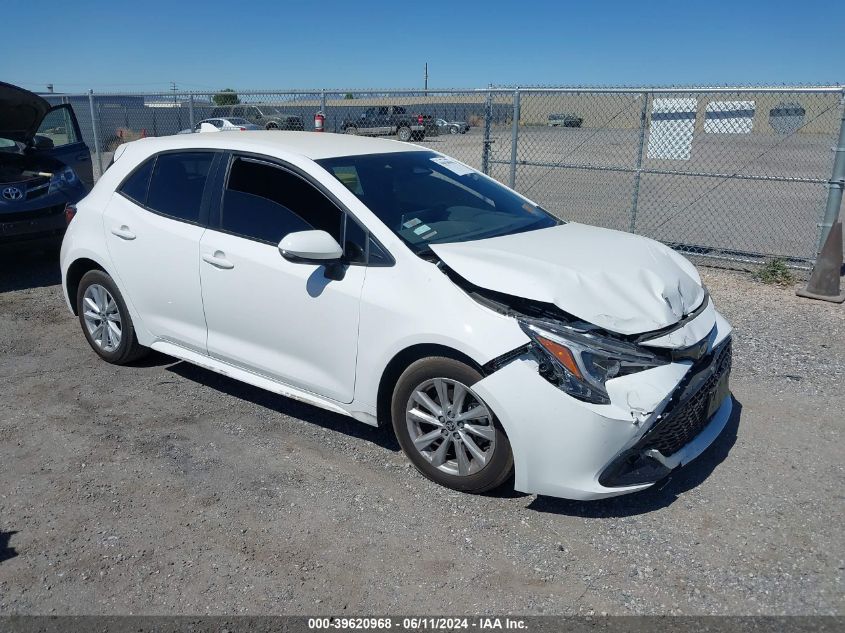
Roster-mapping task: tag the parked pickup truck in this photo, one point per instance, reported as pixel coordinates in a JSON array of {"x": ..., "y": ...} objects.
[{"x": 389, "y": 120}]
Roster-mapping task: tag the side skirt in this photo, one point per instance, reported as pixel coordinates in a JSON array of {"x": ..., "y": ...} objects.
[{"x": 255, "y": 380}]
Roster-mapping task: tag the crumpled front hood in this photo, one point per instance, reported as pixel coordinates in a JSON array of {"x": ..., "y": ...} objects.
[
  {"x": 618, "y": 281},
  {"x": 21, "y": 112}
]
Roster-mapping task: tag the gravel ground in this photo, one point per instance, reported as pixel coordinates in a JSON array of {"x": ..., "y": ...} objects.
[{"x": 163, "y": 488}]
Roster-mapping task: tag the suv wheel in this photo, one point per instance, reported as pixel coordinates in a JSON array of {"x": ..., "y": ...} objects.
[
  {"x": 351, "y": 129},
  {"x": 446, "y": 430},
  {"x": 272, "y": 125},
  {"x": 105, "y": 320},
  {"x": 404, "y": 133}
]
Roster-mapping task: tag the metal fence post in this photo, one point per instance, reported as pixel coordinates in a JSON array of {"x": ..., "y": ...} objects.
[
  {"x": 323, "y": 107},
  {"x": 96, "y": 132},
  {"x": 836, "y": 183},
  {"x": 485, "y": 146},
  {"x": 514, "y": 137},
  {"x": 635, "y": 197},
  {"x": 191, "y": 112}
]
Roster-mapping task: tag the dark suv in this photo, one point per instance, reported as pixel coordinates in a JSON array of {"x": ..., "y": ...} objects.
[
  {"x": 389, "y": 120},
  {"x": 44, "y": 165},
  {"x": 267, "y": 116}
]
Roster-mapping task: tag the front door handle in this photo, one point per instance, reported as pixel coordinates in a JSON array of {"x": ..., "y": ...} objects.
[
  {"x": 123, "y": 233},
  {"x": 218, "y": 260}
]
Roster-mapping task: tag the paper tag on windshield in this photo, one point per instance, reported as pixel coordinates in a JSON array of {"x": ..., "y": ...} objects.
[{"x": 456, "y": 167}]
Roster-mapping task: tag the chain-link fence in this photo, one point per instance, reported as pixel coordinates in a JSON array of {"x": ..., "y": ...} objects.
[{"x": 730, "y": 173}]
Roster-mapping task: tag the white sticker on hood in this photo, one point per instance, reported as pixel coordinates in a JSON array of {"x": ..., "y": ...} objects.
[{"x": 456, "y": 167}]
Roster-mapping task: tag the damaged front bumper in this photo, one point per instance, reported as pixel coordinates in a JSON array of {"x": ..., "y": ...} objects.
[{"x": 658, "y": 419}]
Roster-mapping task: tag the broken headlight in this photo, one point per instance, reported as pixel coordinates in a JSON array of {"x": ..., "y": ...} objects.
[{"x": 581, "y": 362}]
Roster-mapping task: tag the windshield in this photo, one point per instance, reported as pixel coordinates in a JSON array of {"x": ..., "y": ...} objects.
[{"x": 429, "y": 199}]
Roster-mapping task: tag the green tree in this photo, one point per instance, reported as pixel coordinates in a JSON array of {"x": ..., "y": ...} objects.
[
  {"x": 226, "y": 96},
  {"x": 349, "y": 95}
]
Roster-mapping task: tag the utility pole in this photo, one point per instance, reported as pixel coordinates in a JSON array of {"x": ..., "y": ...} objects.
[
  {"x": 173, "y": 88},
  {"x": 425, "y": 78}
]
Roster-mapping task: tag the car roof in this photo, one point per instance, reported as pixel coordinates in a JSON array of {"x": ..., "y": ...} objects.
[{"x": 311, "y": 145}]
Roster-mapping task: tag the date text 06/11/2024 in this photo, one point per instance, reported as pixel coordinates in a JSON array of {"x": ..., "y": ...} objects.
[{"x": 417, "y": 623}]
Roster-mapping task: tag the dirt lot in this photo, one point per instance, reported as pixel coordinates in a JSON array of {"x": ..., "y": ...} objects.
[{"x": 163, "y": 488}]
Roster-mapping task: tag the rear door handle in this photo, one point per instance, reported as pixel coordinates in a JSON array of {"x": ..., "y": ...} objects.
[
  {"x": 218, "y": 260},
  {"x": 82, "y": 157},
  {"x": 123, "y": 233}
]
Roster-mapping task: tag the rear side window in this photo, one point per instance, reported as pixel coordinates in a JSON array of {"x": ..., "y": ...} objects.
[
  {"x": 265, "y": 203},
  {"x": 177, "y": 184},
  {"x": 135, "y": 186}
]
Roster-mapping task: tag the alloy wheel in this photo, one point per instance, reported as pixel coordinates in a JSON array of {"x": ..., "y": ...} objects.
[
  {"x": 102, "y": 317},
  {"x": 450, "y": 426}
]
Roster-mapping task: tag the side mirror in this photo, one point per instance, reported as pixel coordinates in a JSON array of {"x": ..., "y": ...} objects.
[
  {"x": 42, "y": 142},
  {"x": 310, "y": 247}
]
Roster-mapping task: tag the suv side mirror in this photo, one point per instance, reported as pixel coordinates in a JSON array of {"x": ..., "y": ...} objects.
[
  {"x": 42, "y": 142},
  {"x": 310, "y": 247}
]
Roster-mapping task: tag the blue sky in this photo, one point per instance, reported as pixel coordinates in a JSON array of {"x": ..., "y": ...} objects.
[{"x": 144, "y": 45}]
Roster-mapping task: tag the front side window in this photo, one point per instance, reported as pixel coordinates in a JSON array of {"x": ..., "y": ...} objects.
[
  {"x": 427, "y": 199},
  {"x": 58, "y": 127},
  {"x": 177, "y": 184},
  {"x": 264, "y": 202}
]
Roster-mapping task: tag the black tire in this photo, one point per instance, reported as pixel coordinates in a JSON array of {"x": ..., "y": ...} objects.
[
  {"x": 350, "y": 129},
  {"x": 499, "y": 466},
  {"x": 404, "y": 133},
  {"x": 454, "y": 129},
  {"x": 128, "y": 349}
]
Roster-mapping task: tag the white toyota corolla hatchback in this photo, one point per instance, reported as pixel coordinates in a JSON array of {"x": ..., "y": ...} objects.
[{"x": 391, "y": 283}]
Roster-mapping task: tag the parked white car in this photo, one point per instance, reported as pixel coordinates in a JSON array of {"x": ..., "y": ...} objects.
[
  {"x": 391, "y": 283},
  {"x": 222, "y": 125}
]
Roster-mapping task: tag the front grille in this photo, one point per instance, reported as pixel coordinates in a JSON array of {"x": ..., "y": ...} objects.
[
  {"x": 687, "y": 417},
  {"x": 33, "y": 214}
]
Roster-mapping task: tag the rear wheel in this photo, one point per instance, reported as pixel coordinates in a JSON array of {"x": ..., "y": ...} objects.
[
  {"x": 446, "y": 430},
  {"x": 105, "y": 320},
  {"x": 454, "y": 130},
  {"x": 404, "y": 133},
  {"x": 351, "y": 129},
  {"x": 272, "y": 125}
]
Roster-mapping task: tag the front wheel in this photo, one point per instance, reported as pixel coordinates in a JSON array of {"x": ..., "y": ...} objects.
[
  {"x": 351, "y": 129},
  {"x": 446, "y": 430},
  {"x": 454, "y": 130},
  {"x": 105, "y": 320},
  {"x": 404, "y": 133},
  {"x": 272, "y": 125}
]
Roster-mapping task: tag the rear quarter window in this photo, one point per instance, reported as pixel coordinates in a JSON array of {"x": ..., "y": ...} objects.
[{"x": 135, "y": 187}]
